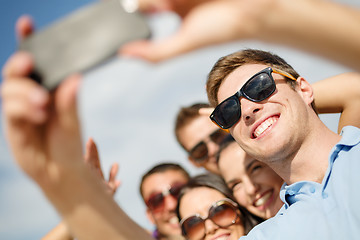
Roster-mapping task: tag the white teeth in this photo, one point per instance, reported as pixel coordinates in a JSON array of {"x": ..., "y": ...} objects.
[
  {"x": 174, "y": 220},
  {"x": 223, "y": 238},
  {"x": 262, "y": 127},
  {"x": 261, "y": 201}
]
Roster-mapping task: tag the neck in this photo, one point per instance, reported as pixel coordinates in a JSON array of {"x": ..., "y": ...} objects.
[{"x": 310, "y": 161}]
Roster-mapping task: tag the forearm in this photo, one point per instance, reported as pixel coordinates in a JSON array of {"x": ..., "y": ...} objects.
[
  {"x": 340, "y": 94},
  {"x": 322, "y": 27},
  {"x": 60, "y": 232},
  {"x": 88, "y": 210}
]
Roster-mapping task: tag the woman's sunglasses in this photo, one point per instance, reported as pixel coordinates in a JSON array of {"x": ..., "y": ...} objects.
[
  {"x": 156, "y": 201},
  {"x": 200, "y": 153},
  {"x": 258, "y": 88},
  {"x": 223, "y": 213}
]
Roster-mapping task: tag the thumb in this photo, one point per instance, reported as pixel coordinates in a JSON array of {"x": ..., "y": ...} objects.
[{"x": 67, "y": 126}]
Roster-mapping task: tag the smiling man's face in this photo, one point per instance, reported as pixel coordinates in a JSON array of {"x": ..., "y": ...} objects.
[{"x": 273, "y": 128}]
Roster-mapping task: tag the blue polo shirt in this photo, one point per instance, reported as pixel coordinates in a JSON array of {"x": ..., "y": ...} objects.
[{"x": 330, "y": 210}]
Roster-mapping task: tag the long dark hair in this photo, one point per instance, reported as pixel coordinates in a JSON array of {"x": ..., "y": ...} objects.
[{"x": 216, "y": 182}]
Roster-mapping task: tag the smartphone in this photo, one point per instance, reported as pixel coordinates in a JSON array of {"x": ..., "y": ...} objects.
[{"x": 82, "y": 40}]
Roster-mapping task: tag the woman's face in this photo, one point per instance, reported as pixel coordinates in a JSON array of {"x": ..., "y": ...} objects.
[
  {"x": 198, "y": 201},
  {"x": 254, "y": 184}
]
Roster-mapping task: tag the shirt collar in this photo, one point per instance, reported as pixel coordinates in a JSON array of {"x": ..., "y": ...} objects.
[{"x": 288, "y": 193}]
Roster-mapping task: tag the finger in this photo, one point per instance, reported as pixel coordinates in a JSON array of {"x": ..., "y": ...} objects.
[
  {"x": 113, "y": 172},
  {"x": 206, "y": 111},
  {"x": 19, "y": 64},
  {"x": 91, "y": 153},
  {"x": 87, "y": 158},
  {"x": 156, "y": 51},
  {"x": 25, "y": 100},
  {"x": 139, "y": 48},
  {"x": 147, "y": 50},
  {"x": 113, "y": 186},
  {"x": 24, "y": 27}
]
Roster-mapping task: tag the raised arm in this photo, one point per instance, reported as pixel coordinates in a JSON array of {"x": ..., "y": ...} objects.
[
  {"x": 315, "y": 26},
  {"x": 92, "y": 159},
  {"x": 44, "y": 136},
  {"x": 340, "y": 94}
]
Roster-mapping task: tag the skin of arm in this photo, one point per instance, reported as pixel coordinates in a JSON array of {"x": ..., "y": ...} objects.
[
  {"x": 43, "y": 133},
  {"x": 92, "y": 159},
  {"x": 340, "y": 94},
  {"x": 299, "y": 24},
  {"x": 60, "y": 232}
]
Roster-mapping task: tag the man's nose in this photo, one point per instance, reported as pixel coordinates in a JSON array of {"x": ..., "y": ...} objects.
[
  {"x": 170, "y": 202},
  {"x": 249, "y": 109}
]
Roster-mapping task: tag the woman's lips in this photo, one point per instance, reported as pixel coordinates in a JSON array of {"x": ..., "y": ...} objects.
[
  {"x": 222, "y": 237},
  {"x": 263, "y": 201}
]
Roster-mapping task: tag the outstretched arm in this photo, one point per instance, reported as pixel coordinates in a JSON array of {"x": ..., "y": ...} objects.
[
  {"x": 92, "y": 159},
  {"x": 315, "y": 26},
  {"x": 340, "y": 94},
  {"x": 44, "y": 136}
]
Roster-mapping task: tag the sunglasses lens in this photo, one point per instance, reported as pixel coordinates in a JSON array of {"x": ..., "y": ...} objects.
[
  {"x": 155, "y": 201},
  {"x": 223, "y": 215},
  {"x": 175, "y": 190},
  {"x": 227, "y": 113},
  {"x": 259, "y": 87},
  {"x": 200, "y": 152},
  {"x": 256, "y": 89},
  {"x": 218, "y": 136},
  {"x": 193, "y": 228}
]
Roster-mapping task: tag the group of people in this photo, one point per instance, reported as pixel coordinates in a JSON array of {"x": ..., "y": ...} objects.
[{"x": 275, "y": 170}]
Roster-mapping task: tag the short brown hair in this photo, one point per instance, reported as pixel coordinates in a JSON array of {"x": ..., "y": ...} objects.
[
  {"x": 185, "y": 116},
  {"x": 227, "y": 64},
  {"x": 161, "y": 168}
]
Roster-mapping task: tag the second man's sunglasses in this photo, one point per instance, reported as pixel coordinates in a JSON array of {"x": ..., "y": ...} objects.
[{"x": 200, "y": 153}]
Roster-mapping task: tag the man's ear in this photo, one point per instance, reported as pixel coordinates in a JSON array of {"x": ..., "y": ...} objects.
[
  {"x": 150, "y": 216},
  {"x": 193, "y": 162},
  {"x": 306, "y": 90}
]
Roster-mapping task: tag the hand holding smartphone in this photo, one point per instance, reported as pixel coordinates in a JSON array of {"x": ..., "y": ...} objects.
[{"x": 82, "y": 40}]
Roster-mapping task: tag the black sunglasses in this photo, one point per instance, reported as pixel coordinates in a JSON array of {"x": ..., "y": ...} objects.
[
  {"x": 156, "y": 201},
  {"x": 199, "y": 153},
  {"x": 258, "y": 88},
  {"x": 223, "y": 213}
]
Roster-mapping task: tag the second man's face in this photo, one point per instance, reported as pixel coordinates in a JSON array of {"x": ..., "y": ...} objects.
[{"x": 202, "y": 130}]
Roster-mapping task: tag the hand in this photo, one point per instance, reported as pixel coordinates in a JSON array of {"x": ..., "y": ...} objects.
[
  {"x": 209, "y": 23},
  {"x": 92, "y": 159},
  {"x": 206, "y": 111},
  {"x": 37, "y": 121}
]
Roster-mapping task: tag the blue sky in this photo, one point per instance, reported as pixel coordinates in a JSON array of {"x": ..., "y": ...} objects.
[{"x": 128, "y": 106}]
